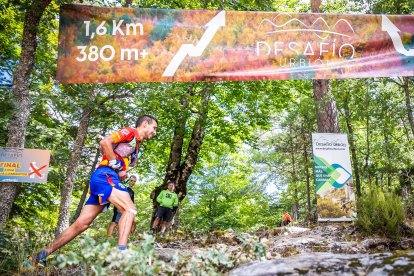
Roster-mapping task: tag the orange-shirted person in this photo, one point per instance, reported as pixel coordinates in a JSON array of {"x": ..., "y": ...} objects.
[
  {"x": 120, "y": 152},
  {"x": 286, "y": 218}
]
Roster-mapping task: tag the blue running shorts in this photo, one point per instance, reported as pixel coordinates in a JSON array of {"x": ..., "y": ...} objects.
[{"x": 102, "y": 181}]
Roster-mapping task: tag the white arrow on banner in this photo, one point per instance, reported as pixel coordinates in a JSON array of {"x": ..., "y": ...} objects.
[
  {"x": 393, "y": 31},
  {"x": 195, "y": 51}
]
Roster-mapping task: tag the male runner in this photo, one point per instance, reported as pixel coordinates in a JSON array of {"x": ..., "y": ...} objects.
[
  {"x": 117, "y": 214},
  {"x": 120, "y": 151}
]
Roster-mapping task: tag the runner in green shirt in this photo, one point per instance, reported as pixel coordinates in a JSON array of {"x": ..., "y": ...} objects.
[{"x": 167, "y": 200}]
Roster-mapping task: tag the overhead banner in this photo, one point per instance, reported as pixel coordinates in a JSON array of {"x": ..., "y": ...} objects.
[
  {"x": 100, "y": 45},
  {"x": 333, "y": 177},
  {"x": 24, "y": 165}
]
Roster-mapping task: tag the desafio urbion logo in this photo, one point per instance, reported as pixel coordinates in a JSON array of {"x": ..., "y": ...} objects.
[
  {"x": 325, "y": 143},
  {"x": 293, "y": 43}
]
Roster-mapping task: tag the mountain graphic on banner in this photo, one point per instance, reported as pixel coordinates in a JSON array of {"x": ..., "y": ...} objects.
[{"x": 285, "y": 23}]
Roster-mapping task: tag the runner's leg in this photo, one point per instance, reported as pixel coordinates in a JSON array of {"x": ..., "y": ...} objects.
[
  {"x": 111, "y": 229},
  {"x": 124, "y": 204},
  {"x": 133, "y": 228},
  {"x": 88, "y": 214},
  {"x": 156, "y": 221},
  {"x": 164, "y": 226}
]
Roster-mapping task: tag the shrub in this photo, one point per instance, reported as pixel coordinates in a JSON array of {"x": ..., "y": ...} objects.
[
  {"x": 94, "y": 258},
  {"x": 329, "y": 209},
  {"x": 103, "y": 259},
  {"x": 380, "y": 213},
  {"x": 16, "y": 244}
]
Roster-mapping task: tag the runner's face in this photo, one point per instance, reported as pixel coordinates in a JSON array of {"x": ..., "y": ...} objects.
[
  {"x": 132, "y": 183},
  {"x": 150, "y": 130},
  {"x": 171, "y": 187}
]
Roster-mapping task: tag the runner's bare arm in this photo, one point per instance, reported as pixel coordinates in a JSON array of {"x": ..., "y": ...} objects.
[
  {"x": 107, "y": 150},
  {"x": 106, "y": 147}
]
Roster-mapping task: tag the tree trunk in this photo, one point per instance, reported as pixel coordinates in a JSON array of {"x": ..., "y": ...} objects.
[
  {"x": 408, "y": 103},
  {"x": 174, "y": 161},
  {"x": 66, "y": 192},
  {"x": 352, "y": 145},
  {"x": 295, "y": 205},
  {"x": 177, "y": 169},
  {"x": 367, "y": 138},
  {"x": 325, "y": 105},
  {"x": 406, "y": 178},
  {"x": 194, "y": 147},
  {"x": 86, "y": 188},
  {"x": 316, "y": 5},
  {"x": 305, "y": 157},
  {"x": 18, "y": 123},
  {"x": 175, "y": 223},
  {"x": 388, "y": 153}
]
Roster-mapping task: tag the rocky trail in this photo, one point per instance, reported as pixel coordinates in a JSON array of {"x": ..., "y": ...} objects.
[{"x": 331, "y": 249}]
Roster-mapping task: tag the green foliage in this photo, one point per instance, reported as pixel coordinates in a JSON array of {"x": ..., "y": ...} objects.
[
  {"x": 227, "y": 190},
  {"x": 11, "y": 28},
  {"x": 102, "y": 258},
  {"x": 222, "y": 195},
  {"x": 252, "y": 246},
  {"x": 329, "y": 209},
  {"x": 282, "y": 156},
  {"x": 391, "y": 6},
  {"x": 16, "y": 244},
  {"x": 220, "y": 258},
  {"x": 94, "y": 258},
  {"x": 212, "y": 262},
  {"x": 380, "y": 213}
]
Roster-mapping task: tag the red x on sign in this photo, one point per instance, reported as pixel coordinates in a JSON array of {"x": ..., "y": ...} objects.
[{"x": 35, "y": 170}]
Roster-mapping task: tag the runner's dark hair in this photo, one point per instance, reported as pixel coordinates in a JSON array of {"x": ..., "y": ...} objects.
[{"x": 145, "y": 118}]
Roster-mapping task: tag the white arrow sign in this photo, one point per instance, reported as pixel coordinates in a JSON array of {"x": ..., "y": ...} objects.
[
  {"x": 393, "y": 31},
  {"x": 195, "y": 51}
]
